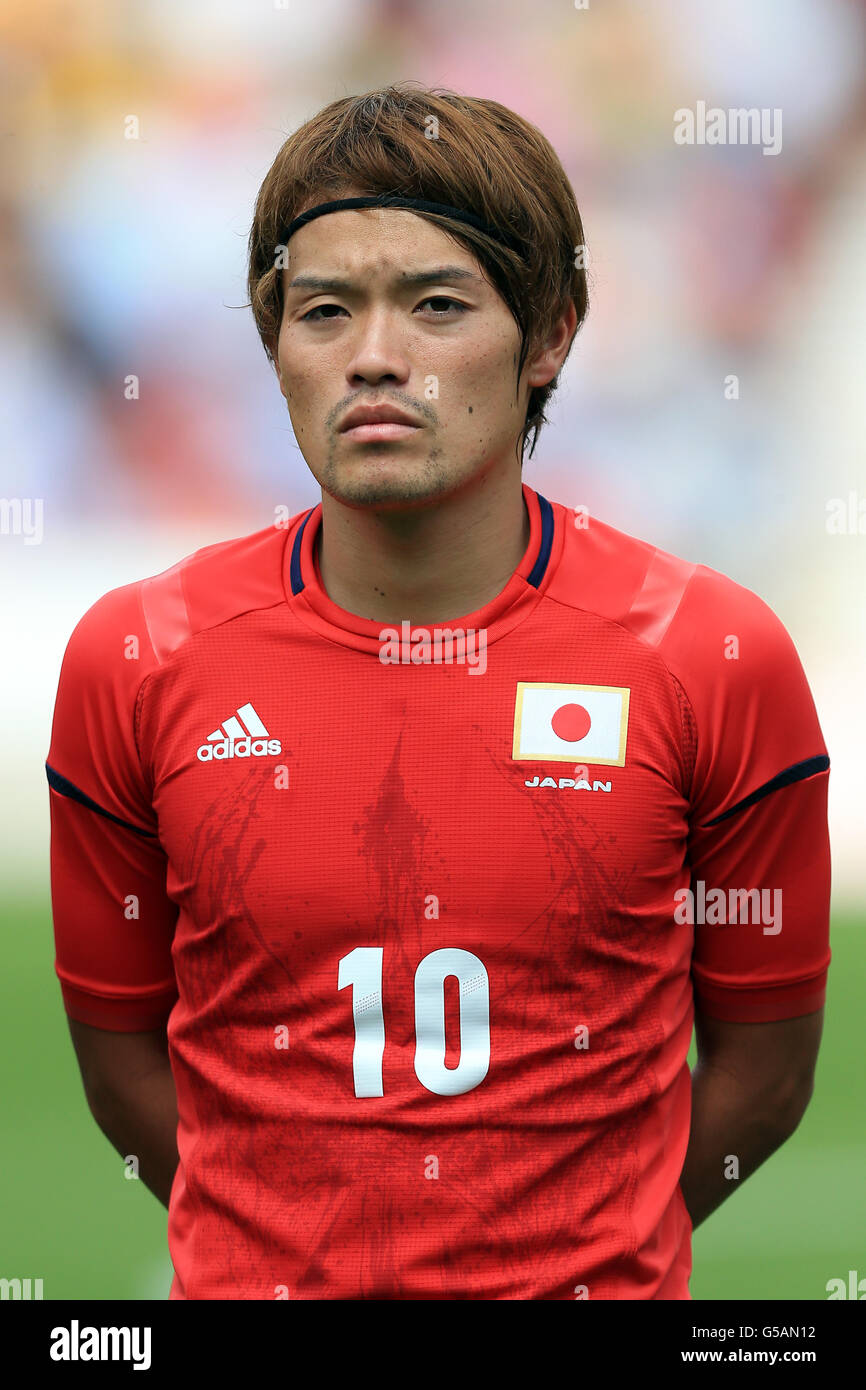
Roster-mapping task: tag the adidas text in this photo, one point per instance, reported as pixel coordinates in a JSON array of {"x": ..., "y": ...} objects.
[{"x": 238, "y": 748}]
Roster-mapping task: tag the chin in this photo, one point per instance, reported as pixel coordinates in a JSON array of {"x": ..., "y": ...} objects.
[{"x": 382, "y": 479}]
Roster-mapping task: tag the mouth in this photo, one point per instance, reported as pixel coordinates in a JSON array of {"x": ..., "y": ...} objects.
[
  {"x": 375, "y": 431},
  {"x": 377, "y": 422}
]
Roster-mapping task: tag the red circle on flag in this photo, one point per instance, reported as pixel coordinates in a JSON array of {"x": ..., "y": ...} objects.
[{"x": 571, "y": 723}]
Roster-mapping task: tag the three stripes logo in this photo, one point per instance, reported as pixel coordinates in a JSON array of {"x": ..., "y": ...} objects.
[{"x": 242, "y": 736}]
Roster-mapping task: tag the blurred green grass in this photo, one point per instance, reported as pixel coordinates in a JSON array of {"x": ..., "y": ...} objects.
[{"x": 70, "y": 1218}]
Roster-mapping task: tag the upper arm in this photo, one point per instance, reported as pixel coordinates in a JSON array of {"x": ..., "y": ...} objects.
[
  {"x": 112, "y": 1063},
  {"x": 113, "y": 919},
  {"x": 775, "y": 1061},
  {"x": 758, "y": 843}
]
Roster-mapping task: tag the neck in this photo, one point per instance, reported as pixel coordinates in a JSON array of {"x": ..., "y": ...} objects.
[{"x": 428, "y": 565}]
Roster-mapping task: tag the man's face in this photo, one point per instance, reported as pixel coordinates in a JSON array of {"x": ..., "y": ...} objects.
[{"x": 382, "y": 308}]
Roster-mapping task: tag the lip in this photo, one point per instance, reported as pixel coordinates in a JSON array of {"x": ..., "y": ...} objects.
[
  {"x": 380, "y": 429},
  {"x": 364, "y": 416}
]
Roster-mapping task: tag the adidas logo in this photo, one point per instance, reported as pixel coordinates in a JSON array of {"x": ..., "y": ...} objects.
[{"x": 233, "y": 740}]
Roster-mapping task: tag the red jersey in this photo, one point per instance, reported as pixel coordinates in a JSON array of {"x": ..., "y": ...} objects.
[{"x": 428, "y": 925}]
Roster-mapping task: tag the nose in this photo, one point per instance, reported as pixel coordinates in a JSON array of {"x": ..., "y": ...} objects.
[{"x": 377, "y": 352}]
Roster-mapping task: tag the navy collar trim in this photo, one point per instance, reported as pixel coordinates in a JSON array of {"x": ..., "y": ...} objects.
[{"x": 535, "y": 577}]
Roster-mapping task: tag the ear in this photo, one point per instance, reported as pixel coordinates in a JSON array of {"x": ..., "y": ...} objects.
[{"x": 546, "y": 361}]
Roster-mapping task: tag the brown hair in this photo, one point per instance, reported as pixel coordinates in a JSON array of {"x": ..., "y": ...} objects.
[{"x": 483, "y": 159}]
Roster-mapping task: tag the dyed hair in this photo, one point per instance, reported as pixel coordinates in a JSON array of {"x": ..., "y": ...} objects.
[{"x": 483, "y": 158}]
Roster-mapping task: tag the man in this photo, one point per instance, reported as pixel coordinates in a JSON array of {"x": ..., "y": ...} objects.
[{"x": 396, "y": 850}]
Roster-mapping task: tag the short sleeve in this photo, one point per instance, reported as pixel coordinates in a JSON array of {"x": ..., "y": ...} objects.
[
  {"x": 113, "y": 920},
  {"x": 758, "y": 845}
]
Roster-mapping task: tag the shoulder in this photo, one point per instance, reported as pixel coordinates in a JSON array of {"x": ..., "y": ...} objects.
[
  {"x": 155, "y": 615},
  {"x": 691, "y": 613},
  {"x": 746, "y": 705}
]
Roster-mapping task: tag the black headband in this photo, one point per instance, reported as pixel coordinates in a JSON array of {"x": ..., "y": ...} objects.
[{"x": 397, "y": 200}]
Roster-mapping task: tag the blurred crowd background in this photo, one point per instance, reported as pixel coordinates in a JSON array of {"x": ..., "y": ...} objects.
[{"x": 127, "y": 256}]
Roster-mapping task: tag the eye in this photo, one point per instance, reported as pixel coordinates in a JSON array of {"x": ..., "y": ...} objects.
[
  {"x": 441, "y": 306},
  {"x": 318, "y": 308},
  {"x": 441, "y": 299}
]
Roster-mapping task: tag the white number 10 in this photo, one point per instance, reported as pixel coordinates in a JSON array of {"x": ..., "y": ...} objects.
[{"x": 362, "y": 968}]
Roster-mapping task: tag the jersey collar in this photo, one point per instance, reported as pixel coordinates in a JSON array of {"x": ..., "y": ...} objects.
[{"x": 306, "y": 594}]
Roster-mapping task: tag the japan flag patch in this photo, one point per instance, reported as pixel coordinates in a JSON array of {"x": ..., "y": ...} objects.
[{"x": 570, "y": 723}]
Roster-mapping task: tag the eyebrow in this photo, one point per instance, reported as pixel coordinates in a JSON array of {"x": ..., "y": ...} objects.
[{"x": 407, "y": 277}]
